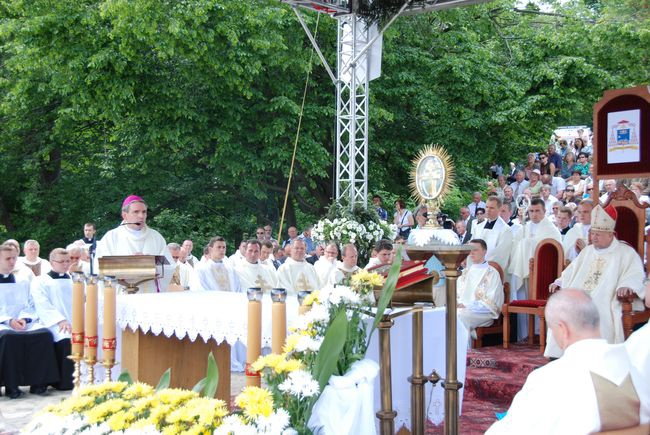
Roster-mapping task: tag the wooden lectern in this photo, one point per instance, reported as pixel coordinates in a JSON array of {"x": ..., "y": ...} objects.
[
  {"x": 132, "y": 270},
  {"x": 414, "y": 284}
]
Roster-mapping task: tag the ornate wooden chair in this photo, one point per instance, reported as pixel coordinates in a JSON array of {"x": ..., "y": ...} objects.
[
  {"x": 497, "y": 326},
  {"x": 545, "y": 267},
  {"x": 630, "y": 228}
]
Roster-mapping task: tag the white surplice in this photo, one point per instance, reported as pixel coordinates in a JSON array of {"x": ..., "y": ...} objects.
[
  {"x": 254, "y": 275},
  {"x": 213, "y": 275},
  {"x": 45, "y": 265},
  {"x": 337, "y": 275},
  {"x": 296, "y": 276},
  {"x": 125, "y": 241},
  {"x": 324, "y": 268},
  {"x": 561, "y": 397},
  {"x": 637, "y": 346},
  {"x": 577, "y": 232},
  {"x": 498, "y": 240},
  {"x": 481, "y": 292},
  {"x": 16, "y": 303},
  {"x": 600, "y": 272},
  {"x": 53, "y": 302}
]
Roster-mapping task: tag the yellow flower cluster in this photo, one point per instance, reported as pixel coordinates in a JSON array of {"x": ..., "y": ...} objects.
[
  {"x": 255, "y": 401},
  {"x": 312, "y": 298},
  {"x": 278, "y": 363},
  {"x": 364, "y": 279},
  {"x": 100, "y": 412}
]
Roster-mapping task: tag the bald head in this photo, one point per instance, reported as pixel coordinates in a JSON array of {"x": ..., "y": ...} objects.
[{"x": 572, "y": 316}]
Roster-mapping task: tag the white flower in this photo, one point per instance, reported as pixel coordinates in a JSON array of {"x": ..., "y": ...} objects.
[
  {"x": 234, "y": 425},
  {"x": 306, "y": 343},
  {"x": 300, "y": 383},
  {"x": 274, "y": 423}
]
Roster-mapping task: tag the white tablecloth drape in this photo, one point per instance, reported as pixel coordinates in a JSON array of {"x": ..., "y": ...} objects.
[{"x": 434, "y": 328}]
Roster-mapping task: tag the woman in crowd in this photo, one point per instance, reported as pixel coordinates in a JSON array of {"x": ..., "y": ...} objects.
[
  {"x": 403, "y": 219},
  {"x": 530, "y": 165},
  {"x": 568, "y": 163},
  {"x": 577, "y": 183},
  {"x": 583, "y": 165},
  {"x": 544, "y": 164},
  {"x": 535, "y": 185},
  {"x": 578, "y": 145}
]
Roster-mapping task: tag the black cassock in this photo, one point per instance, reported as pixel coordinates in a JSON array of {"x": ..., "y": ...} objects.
[{"x": 26, "y": 357}]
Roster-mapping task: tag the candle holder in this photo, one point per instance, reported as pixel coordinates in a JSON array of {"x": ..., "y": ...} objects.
[
  {"x": 254, "y": 294},
  {"x": 76, "y": 374},
  {"x": 90, "y": 363},
  {"x": 278, "y": 295},
  {"x": 108, "y": 367}
]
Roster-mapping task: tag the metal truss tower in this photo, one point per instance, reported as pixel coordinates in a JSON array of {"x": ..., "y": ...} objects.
[{"x": 354, "y": 40}]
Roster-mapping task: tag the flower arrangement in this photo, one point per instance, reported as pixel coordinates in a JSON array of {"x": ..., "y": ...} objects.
[{"x": 360, "y": 227}]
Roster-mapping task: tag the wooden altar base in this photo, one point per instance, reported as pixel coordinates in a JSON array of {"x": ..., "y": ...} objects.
[{"x": 146, "y": 357}]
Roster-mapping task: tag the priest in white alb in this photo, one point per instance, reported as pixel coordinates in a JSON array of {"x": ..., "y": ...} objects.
[
  {"x": 480, "y": 290},
  {"x": 327, "y": 262},
  {"x": 496, "y": 234},
  {"x": 347, "y": 266},
  {"x": 252, "y": 273},
  {"x": 32, "y": 260},
  {"x": 295, "y": 274},
  {"x": 605, "y": 269},
  {"x": 134, "y": 237},
  {"x": 577, "y": 237},
  {"x": 52, "y": 295},
  {"x": 214, "y": 273}
]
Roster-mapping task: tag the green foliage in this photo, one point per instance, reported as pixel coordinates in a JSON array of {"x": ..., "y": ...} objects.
[
  {"x": 207, "y": 387},
  {"x": 194, "y": 105},
  {"x": 164, "y": 380},
  {"x": 125, "y": 376}
]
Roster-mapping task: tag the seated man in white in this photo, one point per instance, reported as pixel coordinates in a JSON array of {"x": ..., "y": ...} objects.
[
  {"x": 605, "y": 269},
  {"x": 480, "y": 290},
  {"x": 346, "y": 268},
  {"x": 52, "y": 295},
  {"x": 384, "y": 257},
  {"x": 593, "y": 387},
  {"x": 327, "y": 262},
  {"x": 26, "y": 348},
  {"x": 252, "y": 273},
  {"x": 295, "y": 274},
  {"x": 214, "y": 274}
]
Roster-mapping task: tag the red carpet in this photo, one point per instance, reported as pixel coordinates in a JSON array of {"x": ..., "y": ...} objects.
[{"x": 494, "y": 375}]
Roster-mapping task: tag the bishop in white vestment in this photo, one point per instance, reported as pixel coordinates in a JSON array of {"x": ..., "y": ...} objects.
[
  {"x": 134, "y": 237},
  {"x": 295, "y": 274},
  {"x": 603, "y": 269},
  {"x": 480, "y": 291}
]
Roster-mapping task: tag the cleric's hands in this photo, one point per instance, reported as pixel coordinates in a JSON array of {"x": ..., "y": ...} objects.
[
  {"x": 624, "y": 291},
  {"x": 18, "y": 324},
  {"x": 553, "y": 288},
  {"x": 580, "y": 245}
]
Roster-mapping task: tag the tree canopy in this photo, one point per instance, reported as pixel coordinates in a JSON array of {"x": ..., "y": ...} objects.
[{"x": 194, "y": 104}]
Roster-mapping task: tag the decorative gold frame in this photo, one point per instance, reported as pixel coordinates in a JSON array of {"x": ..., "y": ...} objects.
[{"x": 433, "y": 202}]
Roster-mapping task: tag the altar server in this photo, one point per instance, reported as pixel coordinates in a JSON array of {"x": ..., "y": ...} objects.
[
  {"x": 496, "y": 234},
  {"x": 134, "y": 237},
  {"x": 594, "y": 387},
  {"x": 346, "y": 268},
  {"x": 26, "y": 349},
  {"x": 20, "y": 269},
  {"x": 31, "y": 259},
  {"x": 605, "y": 269},
  {"x": 52, "y": 295},
  {"x": 480, "y": 290},
  {"x": 327, "y": 262},
  {"x": 252, "y": 273},
  {"x": 577, "y": 237},
  {"x": 214, "y": 273},
  {"x": 296, "y": 274}
]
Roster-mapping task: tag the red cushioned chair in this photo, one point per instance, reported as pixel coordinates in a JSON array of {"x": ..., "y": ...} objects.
[
  {"x": 545, "y": 267},
  {"x": 630, "y": 228},
  {"x": 497, "y": 326}
]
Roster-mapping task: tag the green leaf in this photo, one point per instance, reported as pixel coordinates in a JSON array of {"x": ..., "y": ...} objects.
[
  {"x": 125, "y": 376},
  {"x": 387, "y": 292},
  {"x": 211, "y": 378},
  {"x": 330, "y": 349},
  {"x": 164, "y": 380},
  {"x": 200, "y": 386}
]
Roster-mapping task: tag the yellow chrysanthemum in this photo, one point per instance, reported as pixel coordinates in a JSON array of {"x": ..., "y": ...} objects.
[
  {"x": 311, "y": 298},
  {"x": 72, "y": 405},
  {"x": 288, "y": 366},
  {"x": 175, "y": 396},
  {"x": 255, "y": 401},
  {"x": 290, "y": 343},
  {"x": 137, "y": 390},
  {"x": 98, "y": 390},
  {"x": 271, "y": 360},
  {"x": 119, "y": 421},
  {"x": 100, "y": 412},
  {"x": 364, "y": 278}
]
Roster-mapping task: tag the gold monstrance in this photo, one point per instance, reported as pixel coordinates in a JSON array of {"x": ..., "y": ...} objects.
[{"x": 431, "y": 180}]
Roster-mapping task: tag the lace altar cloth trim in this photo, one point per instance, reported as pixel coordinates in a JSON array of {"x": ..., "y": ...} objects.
[
  {"x": 424, "y": 236},
  {"x": 222, "y": 316}
]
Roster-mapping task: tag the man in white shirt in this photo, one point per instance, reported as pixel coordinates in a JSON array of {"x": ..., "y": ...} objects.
[
  {"x": 549, "y": 199},
  {"x": 134, "y": 237},
  {"x": 31, "y": 259},
  {"x": 384, "y": 249},
  {"x": 496, "y": 234},
  {"x": 480, "y": 290},
  {"x": 477, "y": 202},
  {"x": 295, "y": 274},
  {"x": 188, "y": 245},
  {"x": 519, "y": 184},
  {"x": 253, "y": 274},
  {"x": 594, "y": 387},
  {"x": 239, "y": 256},
  {"x": 214, "y": 274},
  {"x": 52, "y": 295}
]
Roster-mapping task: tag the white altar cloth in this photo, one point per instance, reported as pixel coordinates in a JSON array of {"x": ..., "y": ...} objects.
[{"x": 433, "y": 358}]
